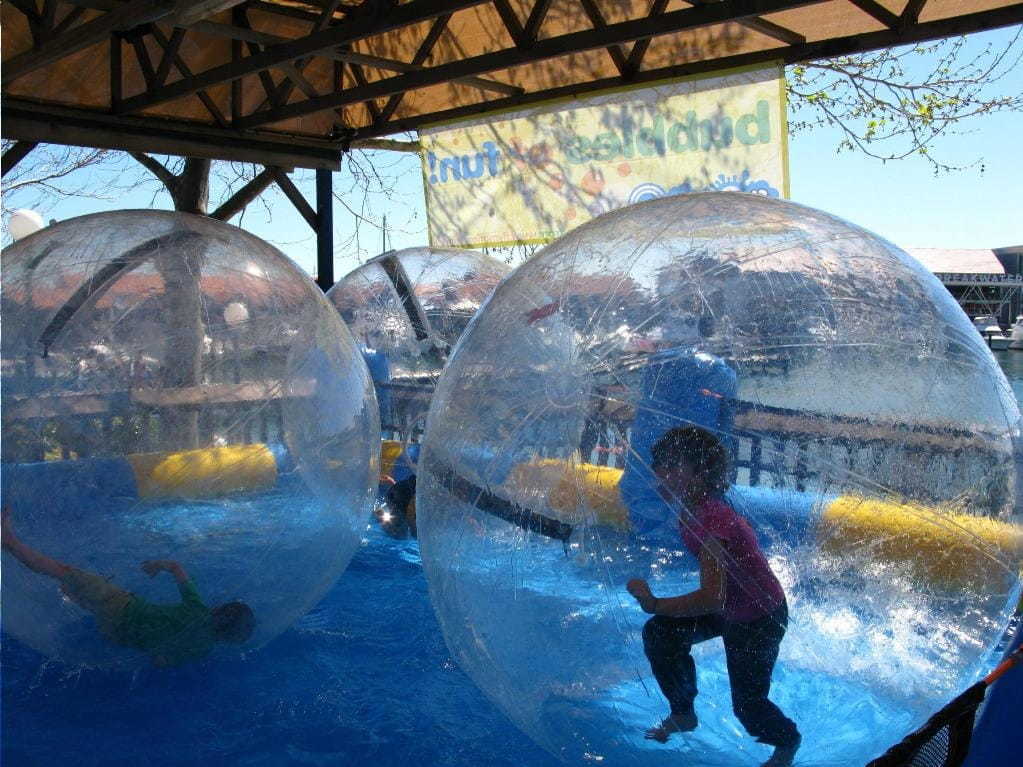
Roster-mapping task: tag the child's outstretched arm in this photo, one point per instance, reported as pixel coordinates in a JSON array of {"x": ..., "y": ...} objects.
[
  {"x": 709, "y": 598},
  {"x": 152, "y": 567},
  {"x": 32, "y": 559}
]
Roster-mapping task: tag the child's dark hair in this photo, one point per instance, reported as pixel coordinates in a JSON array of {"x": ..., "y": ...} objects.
[
  {"x": 233, "y": 622},
  {"x": 698, "y": 448}
]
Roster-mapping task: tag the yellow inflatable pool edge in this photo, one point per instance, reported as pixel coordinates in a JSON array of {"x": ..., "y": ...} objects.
[
  {"x": 390, "y": 452},
  {"x": 943, "y": 548},
  {"x": 204, "y": 473},
  {"x": 579, "y": 491}
]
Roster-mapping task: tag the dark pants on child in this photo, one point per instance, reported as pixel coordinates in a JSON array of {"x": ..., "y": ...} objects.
[{"x": 751, "y": 650}]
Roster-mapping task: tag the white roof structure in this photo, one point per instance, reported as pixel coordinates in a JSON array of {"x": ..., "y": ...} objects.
[{"x": 958, "y": 260}]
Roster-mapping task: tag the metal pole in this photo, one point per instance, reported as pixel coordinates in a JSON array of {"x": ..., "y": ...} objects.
[{"x": 324, "y": 229}]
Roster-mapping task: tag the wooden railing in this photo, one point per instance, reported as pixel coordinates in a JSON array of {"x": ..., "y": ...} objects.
[{"x": 778, "y": 447}]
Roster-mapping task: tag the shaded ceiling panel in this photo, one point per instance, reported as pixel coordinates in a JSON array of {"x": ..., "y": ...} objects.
[{"x": 316, "y": 76}]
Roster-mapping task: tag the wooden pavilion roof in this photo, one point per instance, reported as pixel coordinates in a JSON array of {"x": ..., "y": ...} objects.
[{"x": 294, "y": 82}]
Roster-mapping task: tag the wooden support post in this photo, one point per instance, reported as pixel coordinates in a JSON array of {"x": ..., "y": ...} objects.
[
  {"x": 324, "y": 229},
  {"x": 292, "y": 193},
  {"x": 755, "y": 459}
]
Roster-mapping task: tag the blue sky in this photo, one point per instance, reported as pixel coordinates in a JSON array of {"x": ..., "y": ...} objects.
[{"x": 903, "y": 200}]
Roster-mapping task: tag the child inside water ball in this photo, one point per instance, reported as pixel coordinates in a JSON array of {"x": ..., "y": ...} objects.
[
  {"x": 171, "y": 634},
  {"x": 739, "y": 598}
]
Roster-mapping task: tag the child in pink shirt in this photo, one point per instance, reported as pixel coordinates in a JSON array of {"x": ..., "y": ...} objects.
[{"x": 739, "y": 598}]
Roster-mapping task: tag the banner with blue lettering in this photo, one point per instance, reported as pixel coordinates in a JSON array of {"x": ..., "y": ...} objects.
[{"x": 531, "y": 175}]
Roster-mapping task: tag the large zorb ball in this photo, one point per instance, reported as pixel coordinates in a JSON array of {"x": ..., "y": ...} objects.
[
  {"x": 175, "y": 388},
  {"x": 872, "y": 440},
  {"x": 408, "y": 308}
]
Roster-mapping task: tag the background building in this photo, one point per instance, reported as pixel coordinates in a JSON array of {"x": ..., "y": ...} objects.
[{"x": 983, "y": 281}]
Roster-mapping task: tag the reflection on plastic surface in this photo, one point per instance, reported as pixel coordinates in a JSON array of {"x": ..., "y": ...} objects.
[
  {"x": 408, "y": 308},
  {"x": 175, "y": 388},
  {"x": 872, "y": 440}
]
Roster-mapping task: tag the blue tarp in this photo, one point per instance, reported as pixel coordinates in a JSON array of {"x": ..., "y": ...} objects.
[{"x": 998, "y": 737}]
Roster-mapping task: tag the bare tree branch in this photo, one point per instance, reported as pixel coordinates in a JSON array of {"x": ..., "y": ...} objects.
[
  {"x": 895, "y": 103},
  {"x": 53, "y": 172},
  {"x": 157, "y": 168}
]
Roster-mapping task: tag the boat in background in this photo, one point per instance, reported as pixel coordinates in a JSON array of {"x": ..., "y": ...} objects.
[
  {"x": 987, "y": 325},
  {"x": 1016, "y": 340}
]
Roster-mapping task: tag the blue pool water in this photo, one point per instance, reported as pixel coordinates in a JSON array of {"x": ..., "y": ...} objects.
[
  {"x": 1012, "y": 366},
  {"x": 364, "y": 678}
]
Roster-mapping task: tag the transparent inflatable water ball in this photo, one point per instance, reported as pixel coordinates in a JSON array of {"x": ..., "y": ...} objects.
[
  {"x": 870, "y": 442},
  {"x": 177, "y": 390},
  {"x": 407, "y": 309}
]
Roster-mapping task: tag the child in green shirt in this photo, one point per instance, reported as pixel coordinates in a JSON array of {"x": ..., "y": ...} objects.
[{"x": 171, "y": 634}]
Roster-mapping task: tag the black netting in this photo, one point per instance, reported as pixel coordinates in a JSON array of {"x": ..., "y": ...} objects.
[
  {"x": 934, "y": 752},
  {"x": 943, "y": 741}
]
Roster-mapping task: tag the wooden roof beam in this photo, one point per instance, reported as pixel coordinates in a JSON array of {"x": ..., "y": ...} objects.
[
  {"x": 185, "y": 71},
  {"x": 295, "y": 75},
  {"x": 126, "y": 17},
  {"x": 921, "y": 32},
  {"x": 287, "y": 10},
  {"x": 28, "y": 9},
  {"x": 511, "y": 22},
  {"x": 879, "y": 12},
  {"x": 200, "y": 9},
  {"x": 187, "y": 12},
  {"x": 49, "y": 14},
  {"x": 763, "y": 26},
  {"x": 237, "y": 97},
  {"x": 479, "y": 83},
  {"x": 31, "y": 13},
  {"x": 349, "y": 57},
  {"x": 778, "y": 32},
  {"x": 626, "y": 31},
  {"x": 361, "y": 81},
  {"x": 911, "y": 13},
  {"x": 170, "y": 53},
  {"x": 535, "y": 20},
  {"x": 294, "y": 69},
  {"x": 387, "y": 145},
  {"x": 352, "y": 29},
  {"x": 421, "y": 55},
  {"x": 266, "y": 80},
  {"x": 639, "y": 48},
  {"x": 142, "y": 56},
  {"x": 96, "y": 5},
  {"x": 30, "y": 121},
  {"x": 70, "y": 18},
  {"x": 614, "y": 51}
]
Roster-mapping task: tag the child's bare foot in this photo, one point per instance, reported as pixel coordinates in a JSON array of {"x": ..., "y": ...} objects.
[
  {"x": 784, "y": 755},
  {"x": 672, "y": 724}
]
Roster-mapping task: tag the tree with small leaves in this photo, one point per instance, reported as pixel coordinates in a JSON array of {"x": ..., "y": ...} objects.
[{"x": 895, "y": 103}]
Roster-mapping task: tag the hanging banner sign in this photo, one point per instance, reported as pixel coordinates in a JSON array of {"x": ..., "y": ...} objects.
[{"x": 531, "y": 175}]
